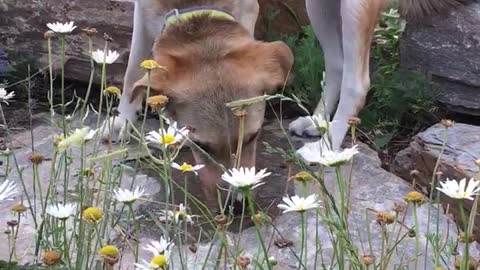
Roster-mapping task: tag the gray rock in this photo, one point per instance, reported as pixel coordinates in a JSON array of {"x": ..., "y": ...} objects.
[
  {"x": 23, "y": 25},
  {"x": 447, "y": 47},
  {"x": 457, "y": 161}
]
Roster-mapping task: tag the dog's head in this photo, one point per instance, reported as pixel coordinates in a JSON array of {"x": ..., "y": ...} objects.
[{"x": 210, "y": 62}]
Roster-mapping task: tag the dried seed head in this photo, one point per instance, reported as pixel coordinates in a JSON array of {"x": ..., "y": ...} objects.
[
  {"x": 193, "y": 248},
  {"x": 51, "y": 258},
  {"x": 354, "y": 121},
  {"x": 107, "y": 37},
  {"x": 88, "y": 172},
  {"x": 414, "y": 173},
  {"x": 384, "y": 218},
  {"x": 415, "y": 197},
  {"x": 49, "y": 34},
  {"x": 36, "y": 158},
  {"x": 412, "y": 233},
  {"x": 19, "y": 208},
  {"x": 243, "y": 262},
  {"x": 12, "y": 223},
  {"x": 272, "y": 261},
  {"x": 399, "y": 207},
  {"x": 221, "y": 219},
  {"x": 90, "y": 31},
  {"x": 447, "y": 123},
  {"x": 367, "y": 259}
]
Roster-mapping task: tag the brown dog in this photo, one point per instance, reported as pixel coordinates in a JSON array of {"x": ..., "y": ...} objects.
[{"x": 211, "y": 58}]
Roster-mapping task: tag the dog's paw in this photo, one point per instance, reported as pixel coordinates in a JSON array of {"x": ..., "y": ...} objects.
[
  {"x": 303, "y": 127},
  {"x": 115, "y": 129},
  {"x": 312, "y": 152}
]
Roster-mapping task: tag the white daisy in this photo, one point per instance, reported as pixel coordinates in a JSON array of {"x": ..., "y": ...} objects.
[
  {"x": 7, "y": 190},
  {"x": 187, "y": 167},
  {"x": 245, "y": 178},
  {"x": 299, "y": 204},
  {"x": 76, "y": 138},
  {"x": 158, "y": 262},
  {"x": 319, "y": 122},
  {"x": 61, "y": 211},
  {"x": 457, "y": 190},
  {"x": 100, "y": 56},
  {"x": 179, "y": 215},
  {"x": 62, "y": 28},
  {"x": 127, "y": 196},
  {"x": 4, "y": 96},
  {"x": 167, "y": 137},
  {"x": 91, "y": 134},
  {"x": 159, "y": 247},
  {"x": 335, "y": 158}
]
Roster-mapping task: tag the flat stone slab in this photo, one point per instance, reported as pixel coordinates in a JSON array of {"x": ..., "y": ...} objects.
[{"x": 461, "y": 150}]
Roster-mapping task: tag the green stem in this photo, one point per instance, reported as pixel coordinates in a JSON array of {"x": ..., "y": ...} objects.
[
  {"x": 145, "y": 111},
  {"x": 304, "y": 242},
  {"x": 50, "y": 71},
  {"x": 62, "y": 49},
  {"x": 135, "y": 224},
  {"x": 65, "y": 244},
  {"x": 417, "y": 238},
  {"x": 259, "y": 234},
  {"x": 466, "y": 237},
  {"x": 102, "y": 85}
]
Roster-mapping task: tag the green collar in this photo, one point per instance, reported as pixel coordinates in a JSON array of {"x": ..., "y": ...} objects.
[{"x": 187, "y": 13}]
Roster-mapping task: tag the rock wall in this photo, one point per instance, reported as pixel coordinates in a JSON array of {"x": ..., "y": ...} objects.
[
  {"x": 23, "y": 23},
  {"x": 448, "y": 48}
]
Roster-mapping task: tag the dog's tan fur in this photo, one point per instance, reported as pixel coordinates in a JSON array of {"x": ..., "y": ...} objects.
[{"x": 209, "y": 62}]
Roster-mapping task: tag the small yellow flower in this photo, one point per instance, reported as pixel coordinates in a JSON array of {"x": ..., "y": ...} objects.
[
  {"x": 477, "y": 162},
  {"x": 384, "y": 218},
  {"x": 113, "y": 90},
  {"x": 160, "y": 260},
  {"x": 415, "y": 198},
  {"x": 36, "y": 158},
  {"x": 51, "y": 258},
  {"x": 19, "y": 208},
  {"x": 87, "y": 172},
  {"x": 150, "y": 64},
  {"x": 92, "y": 214},
  {"x": 110, "y": 254},
  {"x": 261, "y": 218},
  {"x": 157, "y": 102},
  {"x": 303, "y": 177}
]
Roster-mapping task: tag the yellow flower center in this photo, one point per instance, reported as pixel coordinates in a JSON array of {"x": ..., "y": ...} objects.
[
  {"x": 415, "y": 197},
  {"x": 51, "y": 258},
  {"x": 109, "y": 250},
  {"x": 113, "y": 90},
  {"x": 186, "y": 167},
  {"x": 159, "y": 260},
  {"x": 167, "y": 139},
  {"x": 156, "y": 102},
  {"x": 92, "y": 214},
  {"x": 150, "y": 64}
]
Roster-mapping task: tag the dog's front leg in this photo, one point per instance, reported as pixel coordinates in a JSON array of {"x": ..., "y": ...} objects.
[
  {"x": 142, "y": 42},
  {"x": 327, "y": 23}
]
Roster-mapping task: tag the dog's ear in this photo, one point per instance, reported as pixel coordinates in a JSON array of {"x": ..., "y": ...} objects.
[
  {"x": 156, "y": 83},
  {"x": 269, "y": 64}
]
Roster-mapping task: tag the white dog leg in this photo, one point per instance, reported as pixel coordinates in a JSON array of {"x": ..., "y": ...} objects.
[
  {"x": 141, "y": 47},
  {"x": 359, "y": 18},
  {"x": 327, "y": 24}
]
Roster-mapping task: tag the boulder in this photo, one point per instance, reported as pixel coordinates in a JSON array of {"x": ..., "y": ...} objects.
[
  {"x": 456, "y": 162},
  {"x": 23, "y": 24},
  {"x": 447, "y": 48}
]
